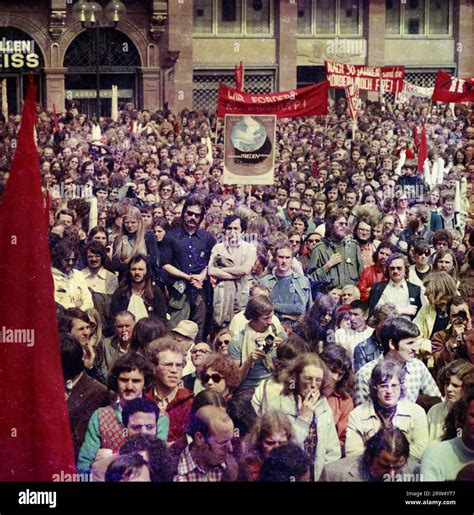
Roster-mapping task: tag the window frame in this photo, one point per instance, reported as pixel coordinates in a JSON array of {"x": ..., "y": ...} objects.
[
  {"x": 337, "y": 34},
  {"x": 233, "y": 35},
  {"x": 426, "y": 35}
]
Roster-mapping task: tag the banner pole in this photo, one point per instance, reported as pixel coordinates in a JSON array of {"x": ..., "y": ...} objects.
[{"x": 217, "y": 129}]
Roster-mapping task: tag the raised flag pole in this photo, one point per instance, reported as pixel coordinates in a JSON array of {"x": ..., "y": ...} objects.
[{"x": 4, "y": 100}]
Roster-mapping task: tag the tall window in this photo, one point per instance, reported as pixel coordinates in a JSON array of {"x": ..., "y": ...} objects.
[
  {"x": 329, "y": 17},
  {"x": 233, "y": 17},
  {"x": 418, "y": 18}
]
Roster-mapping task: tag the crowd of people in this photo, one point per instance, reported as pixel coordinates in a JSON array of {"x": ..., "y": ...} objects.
[{"x": 315, "y": 329}]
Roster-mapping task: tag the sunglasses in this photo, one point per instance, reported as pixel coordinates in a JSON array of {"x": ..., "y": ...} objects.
[
  {"x": 425, "y": 253},
  {"x": 223, "y": 342},
  {"x": 200, "y": 351},
  {"x": 192, "y": 214},
  {"x": 398, "y": 268},
  {"x": 216, "y": 378}
]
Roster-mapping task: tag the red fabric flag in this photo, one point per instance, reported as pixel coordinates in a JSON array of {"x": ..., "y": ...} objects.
[
  {"x": 239, "y": 77},
  {"x": 423, "y": 150},
  {"x": 309, "y": 101},
  {"x": 451, "y": 89},
  {"x": 315, "y": 169},
  {"x": 34, "y": 424},
  {"x": 415, "y": 136}
]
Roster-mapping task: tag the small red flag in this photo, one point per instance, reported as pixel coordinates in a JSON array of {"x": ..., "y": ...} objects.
[
  {"x": 415, "y": 137},
  {"x": 315, "y": 169},
  {"x": 239, "y": 77},
  {"x": 34, "y": 424},
  {"x": 423, "y": 149}
]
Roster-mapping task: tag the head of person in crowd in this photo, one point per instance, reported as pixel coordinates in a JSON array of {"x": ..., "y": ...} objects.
[
  {"x": 259, "y": 311},
  {"x": 145, "y": 331},
  {"x": 184, "y": 334},
  {"x": 72, "y": 356},
  {"x": 363, "y": 230},
  {"x": 159, "y": 227},
  {"x": 219, "y": 373},
  {"x": 283, "y": 258},
  {"x": 228, "y": 205},
  {"x": 337, "y": 225},
  {"x": 98, "y": 234},
  {"x": 308, "y": 375},
  {"x": 417, "y": 218},
  {"x": 138, "y": 273},
  {"x": 128, "y": 468},
  {"x": 358, "y": 310},
  {"x": 340, "y": 367},
  {"x": 75, "y": 322},
  {"x": 319, "y": 319},
  {"x": 124, "y": 324},
  {"x": 312, "y": 239},
  {"x": 131, "y": 240},
  {"x": 440, "y": 289},
  {"x": 380, "y": 314},
  {"x": 221, "y": 341},
  {"x": 388, "y": 226},
  {"x": 450, "y": 379},
  {"x": 199, "y": 353},
  {"x": 130, "y": 377},
  {"x": 460, "y": 420},
  {"x": 399, "y": 339},
  {"x": 64, "y": 256},
  {"x": 421, "y": 252},
  {"x": 269, "y": 431},
  {"x": 208, "y": 398},
  {"x": 387, "y": 387},
  {"x": 212, "y": 431},
  {"x": 385, "y": 455},
  {"x": 192, "y": 214},
  {"x": 397, "y": 268},
  {"x": 96, "y": 256},
  {"x": 349, "y": 293},
  {"x": 286, "y": 463},
  {"x": 140, "y": 416},
  {"x": 442, "y": 240},
  {"x": 154, "y": 451},
  {"x": 234, "y": 226},
  {"x": 168, "y": 359},
  {"x": 445, "y": 261}
]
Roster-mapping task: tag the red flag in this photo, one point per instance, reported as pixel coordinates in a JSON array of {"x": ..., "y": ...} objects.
[
  {"x": 315, "y": 169},
  {"x": 423, "y": 150},
  {"x": 239, "y": 77},
  {"x": 352, "y": 93},
  {"x": 451, "y": 89},
  {"x": 34, "y": 424},
  {"x": 56, "y": 124},
  {"x": 415, "y": 136},
  {"x": 309, "y": 101}
]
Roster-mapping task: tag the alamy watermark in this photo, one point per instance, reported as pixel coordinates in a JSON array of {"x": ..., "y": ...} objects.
[
  {"x": 19, "y": 336},
  {"x": 347, "y": 47}
]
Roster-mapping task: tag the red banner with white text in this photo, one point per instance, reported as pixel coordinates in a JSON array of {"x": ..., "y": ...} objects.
[
  {"x": 367, "y": 78},
  {"x": 309, "y": 101}
]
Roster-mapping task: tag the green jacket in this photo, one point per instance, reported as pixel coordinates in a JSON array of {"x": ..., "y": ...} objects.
[{"x": 346, "y": 272}]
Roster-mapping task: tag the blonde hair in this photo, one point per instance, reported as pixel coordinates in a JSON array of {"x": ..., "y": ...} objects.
[
  {"x": 441, "y": 285},
  {"x": 122, "y": 250}
]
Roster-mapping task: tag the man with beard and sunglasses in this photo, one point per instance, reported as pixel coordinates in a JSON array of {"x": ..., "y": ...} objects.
[{"x": 185, "y": 257}]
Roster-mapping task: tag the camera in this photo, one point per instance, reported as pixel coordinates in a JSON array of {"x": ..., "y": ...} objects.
[
  {"x": 461, "y": 316},
  {"x": 267, "y": 347}
]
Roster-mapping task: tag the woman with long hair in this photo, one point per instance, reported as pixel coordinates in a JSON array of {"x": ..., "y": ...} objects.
[
  {"x": 306, "y": 386},
  {"x": 318, "y": 324},
  {"x": 387, "y": 407},
  {"x": 133, "y": 241}
]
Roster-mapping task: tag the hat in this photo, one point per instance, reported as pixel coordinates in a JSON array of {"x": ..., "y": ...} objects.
[{"x": 187, "y": 328}]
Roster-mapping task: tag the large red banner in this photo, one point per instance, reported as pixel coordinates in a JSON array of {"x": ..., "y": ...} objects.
[
  {"x": 367, "y": 78},
  {"x": 451, "y": 89},
  {"x": 308, "y": 101}
]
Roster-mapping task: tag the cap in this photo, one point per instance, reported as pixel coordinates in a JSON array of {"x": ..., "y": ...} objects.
[{"x": 187, "y": 328}]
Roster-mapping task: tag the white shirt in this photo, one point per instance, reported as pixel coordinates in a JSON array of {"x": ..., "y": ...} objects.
[
  {"x": 101, "y": 282},
  {"x": 395, "y": 294},
  {"x": 71, "y": 289},
  {"x": 137, "y": 307},
  {"x": 348, "y": 339}
]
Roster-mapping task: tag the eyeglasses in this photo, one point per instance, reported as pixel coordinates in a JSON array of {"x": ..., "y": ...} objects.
[
  {"x": 166, "y": 189},
  {"x": 292, "y": 209},
  {"x": 385, "y": 387},
  {"x": 200, "y": 351},
  {"x": 424, "y": 253},
  {"x": 342, "y": 224},
  {"x": 398, "y": 268},
  {"x": 216, "y": 378},
  {"x": 222, "y": 343},
  {"x": 193, "y": 214},
  {"x": 311, "y": 240}
]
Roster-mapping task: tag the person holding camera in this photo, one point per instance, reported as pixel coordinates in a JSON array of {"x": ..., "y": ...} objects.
[
  {"x": 452, "y": 343},
  {"x": 254, "y": 347}
]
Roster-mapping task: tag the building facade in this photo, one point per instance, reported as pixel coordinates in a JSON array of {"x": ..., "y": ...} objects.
[{"x": 175, "y": 52}]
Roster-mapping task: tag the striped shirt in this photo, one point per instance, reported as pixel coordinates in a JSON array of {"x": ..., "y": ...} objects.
[{"x": 417, "y": 380}]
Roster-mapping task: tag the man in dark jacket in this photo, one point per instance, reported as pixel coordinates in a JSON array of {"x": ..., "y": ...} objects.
[
  {"x": 397, "y": 290},
  {"x": 84, "y": 395},
  {"x": 137, "y": 293}
]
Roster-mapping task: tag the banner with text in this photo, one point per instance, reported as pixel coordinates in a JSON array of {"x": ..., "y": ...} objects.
[
  {"x": 249, "y": 149},
  {"x": 309, "y": 101},
  {"x": 367, "y": 78}
]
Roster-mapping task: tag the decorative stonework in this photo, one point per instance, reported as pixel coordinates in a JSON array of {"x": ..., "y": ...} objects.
[
  {"x": 57, "y": 23},
  {"x": 158, "y": 19}
]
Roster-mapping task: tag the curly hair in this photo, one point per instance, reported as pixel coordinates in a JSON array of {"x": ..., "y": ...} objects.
[
  {"x": 127, "y": 363},
  {"x": 225, "y": 366},
  {"x": 459, "y": 368},
  {"x": 292, "y": 374}
]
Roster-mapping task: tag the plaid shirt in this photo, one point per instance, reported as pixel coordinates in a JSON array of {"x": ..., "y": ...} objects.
[
  {"x": 417, "y": 380},
  {"x": 189, "y": 470}
]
